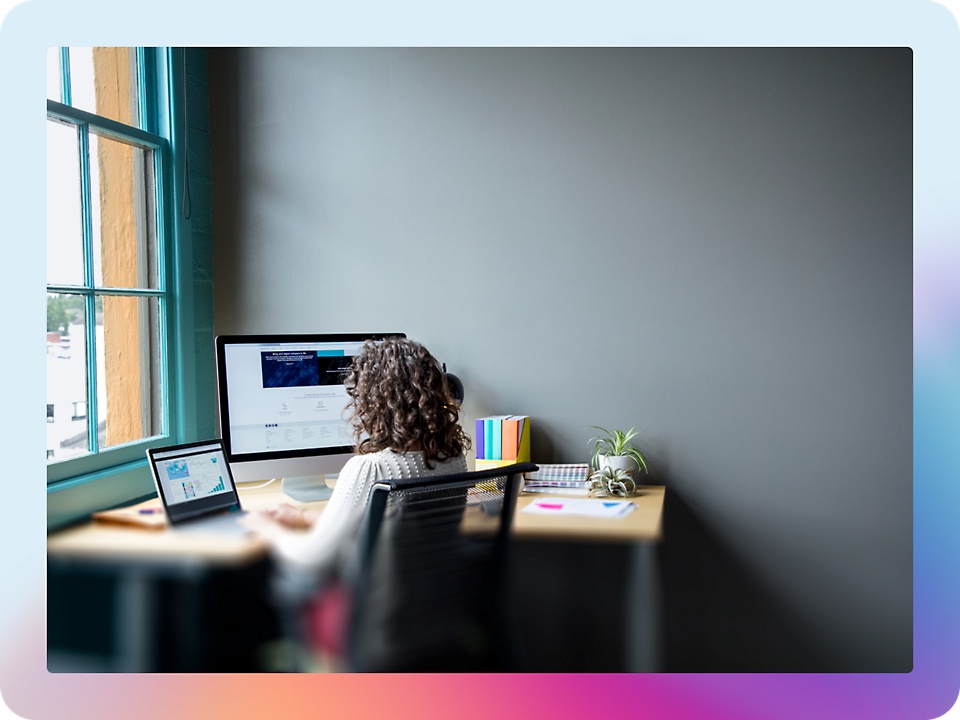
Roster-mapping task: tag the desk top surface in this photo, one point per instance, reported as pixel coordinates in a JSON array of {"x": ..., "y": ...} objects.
[
  {"x": 117, "y": 541},
  {"x": 642, "y": 524},
  {"x": 111, "y": 542}
]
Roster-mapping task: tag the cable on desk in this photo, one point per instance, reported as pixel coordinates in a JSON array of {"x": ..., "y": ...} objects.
[{"x": 257, "y": 487}]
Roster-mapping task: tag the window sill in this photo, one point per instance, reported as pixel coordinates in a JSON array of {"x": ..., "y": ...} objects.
[{"x": 71, "y": 501}]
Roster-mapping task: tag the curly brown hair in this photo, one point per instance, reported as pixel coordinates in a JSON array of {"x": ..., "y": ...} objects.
[{"x": 400, "y": 399}]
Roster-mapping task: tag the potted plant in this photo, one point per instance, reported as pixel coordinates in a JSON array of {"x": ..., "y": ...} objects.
[{"x": 613, "y": 449}]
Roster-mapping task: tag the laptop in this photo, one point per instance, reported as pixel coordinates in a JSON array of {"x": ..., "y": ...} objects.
[{"x": 196, "y": 488}]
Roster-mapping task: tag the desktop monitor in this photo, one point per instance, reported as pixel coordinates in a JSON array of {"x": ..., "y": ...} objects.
[{"x": 282, "y": 402}]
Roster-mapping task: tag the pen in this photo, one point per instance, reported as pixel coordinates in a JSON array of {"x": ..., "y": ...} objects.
[{"x": 148, "y": 511}]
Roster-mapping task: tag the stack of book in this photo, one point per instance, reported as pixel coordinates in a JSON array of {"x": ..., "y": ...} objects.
[
  {"x": 565, "y": 478},
  {"x": 502, "y": 440}
]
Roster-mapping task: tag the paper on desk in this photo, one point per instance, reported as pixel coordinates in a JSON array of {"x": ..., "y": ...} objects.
[
  {"x": 580, "y": 506},
  {"x": 149, "y": 516}
]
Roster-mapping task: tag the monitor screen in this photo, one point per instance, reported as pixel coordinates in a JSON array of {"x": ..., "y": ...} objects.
[{"x": 282, "y": 402}]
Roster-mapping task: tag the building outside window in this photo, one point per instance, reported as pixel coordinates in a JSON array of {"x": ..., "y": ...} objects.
[{"x": 106, "y": 297}]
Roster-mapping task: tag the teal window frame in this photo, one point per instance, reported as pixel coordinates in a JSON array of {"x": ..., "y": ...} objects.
[{"x": 118, "y": 475}]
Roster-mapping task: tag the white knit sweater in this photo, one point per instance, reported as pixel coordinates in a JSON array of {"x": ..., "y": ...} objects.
[{"x": 322, "y": 547}]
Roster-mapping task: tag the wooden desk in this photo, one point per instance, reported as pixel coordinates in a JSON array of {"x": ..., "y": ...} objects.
[
  {"x": 139, "y": 557},
  {"x": 600, "y": 579},
  {"x": 641, "y": 525},
  {"x": 107, "y": 541}
]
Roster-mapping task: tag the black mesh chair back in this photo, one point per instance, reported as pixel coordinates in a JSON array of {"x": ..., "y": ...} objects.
[{"x": 429, "y": 583}]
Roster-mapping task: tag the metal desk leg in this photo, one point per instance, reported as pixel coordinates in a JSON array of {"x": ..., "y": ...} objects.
[
  {"x": 643, "y": 652},
  {"x": 134, "y": 621}
]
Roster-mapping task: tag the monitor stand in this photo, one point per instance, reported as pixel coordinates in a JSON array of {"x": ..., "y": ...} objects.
[{"x": 308, "y": 488}]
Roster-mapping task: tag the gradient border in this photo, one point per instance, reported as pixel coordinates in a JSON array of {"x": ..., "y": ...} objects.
[{"x": 927, "y": 692}]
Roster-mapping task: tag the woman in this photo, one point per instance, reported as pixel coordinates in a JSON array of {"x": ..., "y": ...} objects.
[{"x": 406, "y": 424}]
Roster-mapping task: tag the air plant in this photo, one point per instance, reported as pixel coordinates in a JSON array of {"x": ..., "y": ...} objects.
[{"x": 612, "y": 481}]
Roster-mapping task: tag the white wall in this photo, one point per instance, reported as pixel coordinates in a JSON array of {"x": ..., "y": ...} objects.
[{"x": 714, "y": 245}]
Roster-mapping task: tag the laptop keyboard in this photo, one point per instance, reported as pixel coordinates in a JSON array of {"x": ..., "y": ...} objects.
[{"x": 226, "y": 524}]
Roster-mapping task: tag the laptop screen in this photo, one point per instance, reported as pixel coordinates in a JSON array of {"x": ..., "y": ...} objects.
[{"x": 193, "y": 480}]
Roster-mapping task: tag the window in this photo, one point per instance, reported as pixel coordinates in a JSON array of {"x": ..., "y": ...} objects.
[
  {"x": 124, "y": 310},
  {"x": 106, "y": 298}
]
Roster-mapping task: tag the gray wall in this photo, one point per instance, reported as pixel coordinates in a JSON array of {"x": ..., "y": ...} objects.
[{"x": 713, "y": 245}]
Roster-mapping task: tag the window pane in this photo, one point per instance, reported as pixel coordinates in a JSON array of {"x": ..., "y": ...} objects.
[
  {"x": 54, "y": 91},
  {"x": 105, "y": 376},
  {"x": 66, "y": 378},
  {"x": 124, "y": 220},
  {"x": 129, "y": 357},
  {"x": 104, "y": 81},
  {"x": 64, "y": 228}
]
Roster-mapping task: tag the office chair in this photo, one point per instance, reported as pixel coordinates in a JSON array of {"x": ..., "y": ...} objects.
[{"x": 428, "y": 581}]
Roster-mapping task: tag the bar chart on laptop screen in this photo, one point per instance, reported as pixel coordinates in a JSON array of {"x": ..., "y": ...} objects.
[{"x": 188, "y": 478}]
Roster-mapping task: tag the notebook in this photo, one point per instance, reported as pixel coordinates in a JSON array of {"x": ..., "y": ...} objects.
[{"x": 196, "y": 488}]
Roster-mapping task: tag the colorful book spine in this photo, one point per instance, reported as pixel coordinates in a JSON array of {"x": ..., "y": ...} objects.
[
  {"x": 523, "y": 439},
  {"x": 479, "y": 444},
  {"x": 503, "y": 438},
  {"x": 511, "y": 437}
]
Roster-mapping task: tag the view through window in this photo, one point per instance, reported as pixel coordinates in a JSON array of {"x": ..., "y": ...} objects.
[{"x": 105, "y": 288}]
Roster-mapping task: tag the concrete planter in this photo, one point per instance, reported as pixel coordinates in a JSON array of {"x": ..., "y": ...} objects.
[{"x": 618, "y": 462}]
